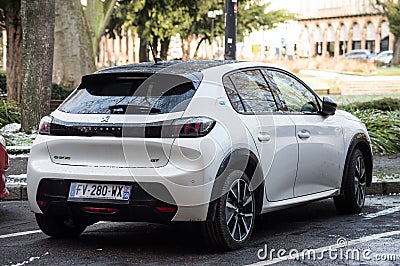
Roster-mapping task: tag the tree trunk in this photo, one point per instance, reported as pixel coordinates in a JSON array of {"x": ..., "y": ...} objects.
[
  {"x": 14, "y": 54},
  {"x": 143, "y": 51},
  {"x": 73, "y": 54},
  {"x": 38, "y": 48},
  {"x": 154, "y": 45},
  {"x": 198, "y": 47},
  {"x": 186, "y": 48},
  {"x": 396, "y": 52},
  {"x": 164, "y": 48}
]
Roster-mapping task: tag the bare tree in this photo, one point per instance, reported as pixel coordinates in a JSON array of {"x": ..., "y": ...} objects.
[{"x": 38, "y": 45}]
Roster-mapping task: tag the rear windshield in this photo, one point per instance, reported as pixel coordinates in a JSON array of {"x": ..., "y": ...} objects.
[{"x": 156, "y": 94}]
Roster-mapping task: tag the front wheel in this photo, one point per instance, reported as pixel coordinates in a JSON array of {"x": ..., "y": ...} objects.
[
  {"x": 235, "y": 214},
  {"x": 58, "y": 227},
  {"x": 354, "y": 186}
]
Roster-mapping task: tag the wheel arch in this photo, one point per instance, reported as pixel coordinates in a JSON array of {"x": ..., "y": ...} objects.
[
  {"x": 362, "y": 142},
  {"x": 240, "y": 159}
]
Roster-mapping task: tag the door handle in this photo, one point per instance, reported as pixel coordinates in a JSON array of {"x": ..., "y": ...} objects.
[
  {"x": 304, "y": 134},
  {"x": 263, "y": 136}
]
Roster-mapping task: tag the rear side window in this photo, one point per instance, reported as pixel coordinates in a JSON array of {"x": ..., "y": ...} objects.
[
  {"x": 131, "y": 95},
  {"x": 254, "y": 91}
]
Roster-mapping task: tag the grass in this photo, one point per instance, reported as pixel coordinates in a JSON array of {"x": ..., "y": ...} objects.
[{"x": 388, "y": 71}]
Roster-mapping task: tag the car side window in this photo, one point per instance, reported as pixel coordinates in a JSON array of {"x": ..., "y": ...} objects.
[
  {"x": 254, "y": 91},
  {"x": 233, "y": 95},
  {"x": 295, "y": 95}
]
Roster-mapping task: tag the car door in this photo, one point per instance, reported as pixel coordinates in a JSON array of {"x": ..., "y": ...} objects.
[
  {"x": 273, "y": 132},
  {"x": 319, "y": 137}
]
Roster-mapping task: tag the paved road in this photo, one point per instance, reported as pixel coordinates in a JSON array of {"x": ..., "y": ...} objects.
[{"x": 374, "y": 232}]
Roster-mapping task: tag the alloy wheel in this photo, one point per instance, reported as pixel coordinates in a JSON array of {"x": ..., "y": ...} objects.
[
  {"x": 360, "y": 181},
  {"x": 239, "y": 210}
]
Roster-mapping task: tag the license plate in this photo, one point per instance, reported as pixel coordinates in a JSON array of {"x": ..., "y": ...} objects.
[{"x": 99, "y": 191}]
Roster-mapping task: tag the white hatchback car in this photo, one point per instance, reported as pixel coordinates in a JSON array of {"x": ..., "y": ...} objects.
[{"x": 216, "y": 142}]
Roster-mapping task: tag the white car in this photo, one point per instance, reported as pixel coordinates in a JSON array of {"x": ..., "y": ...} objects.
[
  {"x": 214, "y": 142},
  {"x": 384, "y": 57},
  {"x": 358, "y": 54}
]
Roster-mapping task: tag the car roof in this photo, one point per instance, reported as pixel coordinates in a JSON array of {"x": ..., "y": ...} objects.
[
  {"x": 173, "y": 67},
  {"x": 359, "y": 50}
]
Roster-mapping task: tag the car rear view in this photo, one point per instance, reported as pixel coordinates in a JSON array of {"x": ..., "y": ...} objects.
[{"x": 107, "y": 148}]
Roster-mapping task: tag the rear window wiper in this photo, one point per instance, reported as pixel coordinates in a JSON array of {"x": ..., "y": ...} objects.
[{"x": 121, "y": 109}]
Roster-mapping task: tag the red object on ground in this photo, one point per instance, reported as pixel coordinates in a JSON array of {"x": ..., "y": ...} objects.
[{"x": 3, "y": 166}]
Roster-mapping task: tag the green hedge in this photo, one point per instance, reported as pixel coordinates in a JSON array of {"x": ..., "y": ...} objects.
[
  {"x": 59, "y": 92},
  {"x": 9, "y": 114},
  {"x": 3, "y": 83},
  {"x": 382, "y": 119},
  {"x": 385, "y": 104}
]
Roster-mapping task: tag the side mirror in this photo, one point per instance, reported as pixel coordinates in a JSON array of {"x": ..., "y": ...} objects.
[{"x": 328, "y": 106}]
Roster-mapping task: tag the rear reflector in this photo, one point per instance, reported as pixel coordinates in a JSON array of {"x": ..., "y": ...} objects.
[
  {"x": 166, "y": 209},
  {"x": 42, "y": 203},
  {"x": 100, "y": 210}
]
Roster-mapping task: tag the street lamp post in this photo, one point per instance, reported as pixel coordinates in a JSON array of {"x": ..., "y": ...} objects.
[
  {"x": 212, "y": 15},
  {"x": 231, "y": 7}
]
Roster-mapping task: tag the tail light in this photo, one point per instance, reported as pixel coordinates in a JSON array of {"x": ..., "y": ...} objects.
[
  {"x": 44, "y": 126},
  {"x": 192, "y": 127}
]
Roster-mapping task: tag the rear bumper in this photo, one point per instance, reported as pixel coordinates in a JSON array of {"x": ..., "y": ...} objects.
[
  {"x": 187, "y": 186},
  {"x": 52, "y": 197}
]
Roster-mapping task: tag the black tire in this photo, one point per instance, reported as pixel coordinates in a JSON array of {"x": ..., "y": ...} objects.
[
  {"x": 352, "y": 199},
  {"x": 234, "y": 217},
  {"x": 58, "y": 227}
]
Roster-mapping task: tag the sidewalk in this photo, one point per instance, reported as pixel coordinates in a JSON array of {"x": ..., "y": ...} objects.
[{"x": 386, "y": 178}]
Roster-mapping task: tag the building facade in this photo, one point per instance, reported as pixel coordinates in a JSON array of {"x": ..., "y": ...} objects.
[{"x": 326, "y": 28}]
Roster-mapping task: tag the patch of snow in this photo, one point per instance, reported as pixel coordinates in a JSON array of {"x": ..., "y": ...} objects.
[
  {"x": 394, "y": 177},
  {"x": 10, "y": 128},
  {"x": 16, "y": 180},
  {"x": 18, "y": 148},
  {"x": 31, "y": 259},
  {"x": 14, "y": 156}
]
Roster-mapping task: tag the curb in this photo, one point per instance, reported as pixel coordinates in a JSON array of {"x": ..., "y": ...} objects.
[
  {"x": 17, "y": 193},
  {"x": 377, "y": 188}
]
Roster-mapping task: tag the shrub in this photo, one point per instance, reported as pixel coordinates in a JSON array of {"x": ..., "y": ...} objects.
[
  {"x": 382, "y": 119},
  {"x": 3, "y": 83},
  {"x": 9, "y": 113},
  {"x": 59, "y": 92},
  {"x": 383, "y": 128},
  {"x": 385, "y": 104}
]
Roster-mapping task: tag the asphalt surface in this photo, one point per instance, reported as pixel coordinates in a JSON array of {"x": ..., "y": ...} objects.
[{"x": 374, "y": 234}]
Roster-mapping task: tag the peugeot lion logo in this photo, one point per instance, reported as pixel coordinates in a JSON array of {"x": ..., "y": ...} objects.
[{"x": 105, "y": 119}]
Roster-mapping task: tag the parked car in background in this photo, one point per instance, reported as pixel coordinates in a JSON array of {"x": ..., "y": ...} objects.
[
  {"x": 384, "y": 57},
  {"x": 3, "y": 167},
  {"x": 358, "y": 54},
  {"x": 215, "y": 142}
]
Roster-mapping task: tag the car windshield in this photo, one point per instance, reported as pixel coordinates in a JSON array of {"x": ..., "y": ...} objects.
[{"x": 156, "y": 94}]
